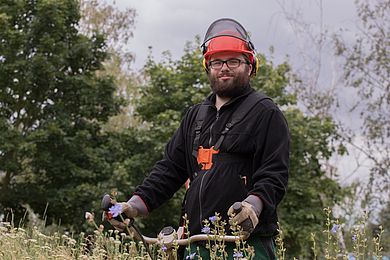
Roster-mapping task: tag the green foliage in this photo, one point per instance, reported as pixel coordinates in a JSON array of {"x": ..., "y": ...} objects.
[
  {"x": 310, "y": 188},
  {"x": 384, "y": 220},
  {"x": 117, "y": 24},
  {"x": 273, "y": 80},
  {"x": 52, "y": 107},
  {"x": 366, "y": 69}
]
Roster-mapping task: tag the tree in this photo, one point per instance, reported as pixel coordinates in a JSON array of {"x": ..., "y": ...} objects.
[
  {"x": 52, "y": 108},
  {"x": 367, "y": 72},
  {"x": 117, "y": 25}
]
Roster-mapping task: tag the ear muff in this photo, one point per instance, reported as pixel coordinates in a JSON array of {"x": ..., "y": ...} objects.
[
  {"x": 204, "y": 64},
  {"x": 255, "y": 66}
]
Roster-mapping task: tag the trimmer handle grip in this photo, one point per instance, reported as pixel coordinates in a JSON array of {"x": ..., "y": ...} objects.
[
  {"x": 237, "y": 207},
  {"x": 247, "y": 223},
  {"x": 106, "y": 202},
  {"x": 106, "y": 205}
]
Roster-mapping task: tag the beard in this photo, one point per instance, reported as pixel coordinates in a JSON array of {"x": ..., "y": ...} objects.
[{"x": 231, "y": 88}]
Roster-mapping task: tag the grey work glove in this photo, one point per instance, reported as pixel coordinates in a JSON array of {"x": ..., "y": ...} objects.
[{"x": 246, "y": 214}]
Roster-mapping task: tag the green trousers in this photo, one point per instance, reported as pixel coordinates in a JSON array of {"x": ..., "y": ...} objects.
[{"x": 264, "y": 249}]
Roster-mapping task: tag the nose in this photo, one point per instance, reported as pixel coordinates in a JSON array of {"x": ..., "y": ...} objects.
[{"x": 224, "y": 66}]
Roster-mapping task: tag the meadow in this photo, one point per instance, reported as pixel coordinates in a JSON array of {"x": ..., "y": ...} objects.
[{"x": 36, "y": 243}]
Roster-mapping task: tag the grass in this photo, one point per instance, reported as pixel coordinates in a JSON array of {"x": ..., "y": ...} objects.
[{"x": 33, "y": 243}]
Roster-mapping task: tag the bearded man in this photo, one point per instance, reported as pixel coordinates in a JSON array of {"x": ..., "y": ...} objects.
[{"x": 234, "y": 147}]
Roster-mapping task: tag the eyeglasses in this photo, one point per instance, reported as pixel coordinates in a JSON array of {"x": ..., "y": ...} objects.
[{"x": 231, "y": 63}]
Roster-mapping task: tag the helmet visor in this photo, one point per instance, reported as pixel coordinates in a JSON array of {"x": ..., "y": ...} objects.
[{"x": 226, "y": 27}]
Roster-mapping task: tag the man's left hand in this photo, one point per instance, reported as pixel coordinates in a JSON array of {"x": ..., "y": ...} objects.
[{"x": 246, "y": 218}]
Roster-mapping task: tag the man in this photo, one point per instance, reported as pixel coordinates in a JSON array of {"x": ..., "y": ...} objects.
[{"x": 234, "y": 147}]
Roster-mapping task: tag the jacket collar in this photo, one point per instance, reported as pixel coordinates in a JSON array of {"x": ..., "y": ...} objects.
[{"x": 210, "y": 100}]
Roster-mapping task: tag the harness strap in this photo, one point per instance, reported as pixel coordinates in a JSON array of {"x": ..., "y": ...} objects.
[
  {"x": 243, "y": 109},
  {"x": 200, "y": 116}
]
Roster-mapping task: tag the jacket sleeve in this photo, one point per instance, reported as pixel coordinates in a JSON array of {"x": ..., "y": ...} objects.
[
  {"x": 271, "y": 160},
  {"x": 168, "y": 174}
]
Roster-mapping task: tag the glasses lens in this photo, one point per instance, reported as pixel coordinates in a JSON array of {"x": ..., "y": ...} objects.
[
  {"x": 216, "y": 64},
  {"x": 233, "y": 63}
]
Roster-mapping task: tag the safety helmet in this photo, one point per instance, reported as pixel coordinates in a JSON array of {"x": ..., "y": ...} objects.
[
  {"x": 228, "y": 35},
  {"x": 227, "y": 43}
]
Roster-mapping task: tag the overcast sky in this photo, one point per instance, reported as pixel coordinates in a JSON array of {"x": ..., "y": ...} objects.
[{"x": 169, "y": 24}]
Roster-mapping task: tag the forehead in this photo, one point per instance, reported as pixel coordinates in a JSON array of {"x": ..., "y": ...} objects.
[{"x": 226, "y": 55}]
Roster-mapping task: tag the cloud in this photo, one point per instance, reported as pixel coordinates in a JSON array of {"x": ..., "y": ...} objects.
[{"x": 169, "y": 24}]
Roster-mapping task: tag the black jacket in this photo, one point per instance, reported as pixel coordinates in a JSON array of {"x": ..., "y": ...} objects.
[{"x": 260, "y": 146}]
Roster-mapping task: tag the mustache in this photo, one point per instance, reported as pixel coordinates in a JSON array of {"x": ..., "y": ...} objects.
[{"x": 225, "y": 74}]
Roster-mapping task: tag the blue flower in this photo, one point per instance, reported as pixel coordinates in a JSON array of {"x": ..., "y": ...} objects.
[
  {"x": 334, "y": 228},
  {"x": 213, "y": 219},
  {"x": 205, "y": 230},
  {"x": 115, "y": 210},
  {"x": 164, "y": 248},
  {"x": 354, "y": 238},
  {"x": 191, "y": 256},
  {"x": 237, "y": 255}
]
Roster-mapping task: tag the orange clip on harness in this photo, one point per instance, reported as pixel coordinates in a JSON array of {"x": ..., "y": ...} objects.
[{"x": 205, "y": 157}]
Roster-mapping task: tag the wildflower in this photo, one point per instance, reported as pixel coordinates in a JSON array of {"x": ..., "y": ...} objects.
[
  {"x": 89, "y": 217},
  {"x": 164, "y": 248},
  {"x": 191, "y": 256},
  {"x": 237, "y": 255},
  {"x": 205, "y": 230},
  {"x": 354, "y": 238},
  {"x": 334, "y": 228},
  {"x": 213, "y": 219},
  {"x": 101, "y": 228},
  {"x": 115, "y": 210}
]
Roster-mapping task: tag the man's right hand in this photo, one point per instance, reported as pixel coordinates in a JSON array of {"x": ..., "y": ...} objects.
[
  {"x": 130, "y": 211},
  {"x": 119, "y": 214}
]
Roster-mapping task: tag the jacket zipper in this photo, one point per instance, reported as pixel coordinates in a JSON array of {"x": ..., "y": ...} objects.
[
  {"x": 200, "y": 200},
  {"x": 211, "y": 128}
]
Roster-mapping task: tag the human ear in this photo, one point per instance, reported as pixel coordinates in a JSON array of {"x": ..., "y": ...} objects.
[{"x": 250, "y": 69}]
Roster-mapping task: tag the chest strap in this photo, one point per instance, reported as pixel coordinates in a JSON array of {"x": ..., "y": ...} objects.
[{"x": 200, "y": 116}]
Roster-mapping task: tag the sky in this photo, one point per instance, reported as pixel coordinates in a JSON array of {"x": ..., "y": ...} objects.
[{"x": 169, "y": 24}]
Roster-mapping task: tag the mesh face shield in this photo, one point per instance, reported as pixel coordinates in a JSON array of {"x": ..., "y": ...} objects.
[{"x": 226, "y": 27}]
